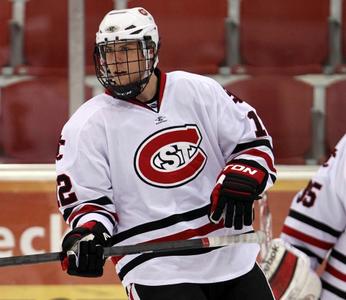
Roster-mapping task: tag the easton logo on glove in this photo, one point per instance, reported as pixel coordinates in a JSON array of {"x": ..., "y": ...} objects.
[
  {"x": 238, "y": 185},
  {"x": 245, "y": 170}
]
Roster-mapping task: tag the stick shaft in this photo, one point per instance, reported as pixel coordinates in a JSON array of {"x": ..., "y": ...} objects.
[
  {"x": 157, "y": 247},
  {"x": 266, "y": 225}
]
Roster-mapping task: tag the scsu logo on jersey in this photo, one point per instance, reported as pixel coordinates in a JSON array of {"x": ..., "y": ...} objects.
[{"x": 170, "y": 157}]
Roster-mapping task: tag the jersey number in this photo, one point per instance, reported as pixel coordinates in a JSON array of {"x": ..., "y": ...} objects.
[
  {"x": 308, "y": 196},
  {"x": 64, "y": 190},
  {"x": 260, "y": 131}
]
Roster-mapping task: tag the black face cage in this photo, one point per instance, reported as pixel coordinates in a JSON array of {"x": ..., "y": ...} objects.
[{"x": 116, "y": 76}]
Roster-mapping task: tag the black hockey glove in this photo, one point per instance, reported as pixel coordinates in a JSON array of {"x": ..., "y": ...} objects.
[
  {"x": 238, "y": 185},
  {"x": 83, "y": 250}
]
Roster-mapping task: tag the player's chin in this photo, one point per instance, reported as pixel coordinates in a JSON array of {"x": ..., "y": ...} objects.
[
  {"x": 128, "y": 78},
  {"x": 122, "y": 79},
  {"x": 125, "y": 79}
]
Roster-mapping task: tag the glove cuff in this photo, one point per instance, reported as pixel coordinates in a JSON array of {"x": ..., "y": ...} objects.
[
  {"x": 250, "y": 171},
  {"x": 99, "y": 231}
]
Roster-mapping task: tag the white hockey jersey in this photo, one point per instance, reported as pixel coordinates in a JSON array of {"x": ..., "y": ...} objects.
[
  {"x": 147, "y": 175},
  {"x": 317, "y": 221}
]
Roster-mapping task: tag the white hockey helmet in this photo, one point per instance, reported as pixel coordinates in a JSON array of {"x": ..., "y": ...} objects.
[{"x": 126, "y": 25}]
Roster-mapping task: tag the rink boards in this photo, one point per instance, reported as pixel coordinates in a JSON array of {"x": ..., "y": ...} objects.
[{"x": 30, "y": 223}]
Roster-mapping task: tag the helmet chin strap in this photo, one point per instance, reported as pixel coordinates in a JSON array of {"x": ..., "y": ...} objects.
[{"x": 131, "y": 90}]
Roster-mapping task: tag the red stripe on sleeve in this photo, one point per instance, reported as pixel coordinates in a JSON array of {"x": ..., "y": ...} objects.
[
  {"x": 265, "y": 156},
  {"x": 336, "y": 273},
  {"x": 89, "y": 209},
  {"x": 306, "y": 238}
]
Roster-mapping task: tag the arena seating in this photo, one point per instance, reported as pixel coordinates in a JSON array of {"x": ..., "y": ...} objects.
[
  {"x": 46, "y": 34},
  {"x": 284, "y": 105},
  {"x": 343, "y": 31},
  {"x": 192, "y": 34},
  {"x": 335, "y": 113},
  {"x": 276, "y": 37},
  {"x": 46, "y": 37},
  {"x": 95, "y": 10},
  {"x": 342, "y": 67},
  {"x": 285, "y": 37},
  {"x": 5, "y": 17},
  {"x": 33, "y": 113}
]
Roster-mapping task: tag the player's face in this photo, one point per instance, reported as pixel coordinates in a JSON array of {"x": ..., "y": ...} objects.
[{"x": 125, "y": 61}]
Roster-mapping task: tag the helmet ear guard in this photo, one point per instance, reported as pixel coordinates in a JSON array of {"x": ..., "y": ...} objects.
[{"x": 124, "y": 27}]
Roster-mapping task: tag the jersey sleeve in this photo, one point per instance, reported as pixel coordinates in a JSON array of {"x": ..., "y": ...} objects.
[
  {"x": 242, "y": 134},
  {"x": 317, "y": 216},
  {"x": 84, "y": 188}
]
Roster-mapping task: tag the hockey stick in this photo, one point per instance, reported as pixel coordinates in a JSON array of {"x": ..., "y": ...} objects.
[
  {"x": 155, "y": 247},
  {"x": 265, "y": 218}
]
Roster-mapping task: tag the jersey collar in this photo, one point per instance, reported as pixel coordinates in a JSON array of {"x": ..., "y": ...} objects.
[{"x": 161, "y": 83}]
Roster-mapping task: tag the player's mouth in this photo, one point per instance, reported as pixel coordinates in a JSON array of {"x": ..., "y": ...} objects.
[{"x": 120, "y": 73}]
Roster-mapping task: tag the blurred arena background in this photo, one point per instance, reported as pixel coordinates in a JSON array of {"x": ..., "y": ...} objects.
[{"x": 286, "y": 58}]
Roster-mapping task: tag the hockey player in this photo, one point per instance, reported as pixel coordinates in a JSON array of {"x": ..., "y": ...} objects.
[
  {"x": 313, "y": 232},
  {"x": 161, "y": 157}
]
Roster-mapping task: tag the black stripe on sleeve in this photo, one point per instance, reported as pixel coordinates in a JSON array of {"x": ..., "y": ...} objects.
[
  {"x": 169, "y": 221},
  {"x": 273, "y": 177},
  {"x": 339, "y": 256},
  {"x": 334, "y": 290},
  {"x": 318, "y": 225},
  {"x": 75, "y": 221},
  {"x": 100, "y": 201},
  {"x": 309, "y": 253},
  {"x": 253, "y": 144}
]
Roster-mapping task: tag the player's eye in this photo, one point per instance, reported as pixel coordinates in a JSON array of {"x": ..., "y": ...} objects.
[
  {"x": 125, "y": 48},
  {"x": 108, "y": 49}
]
